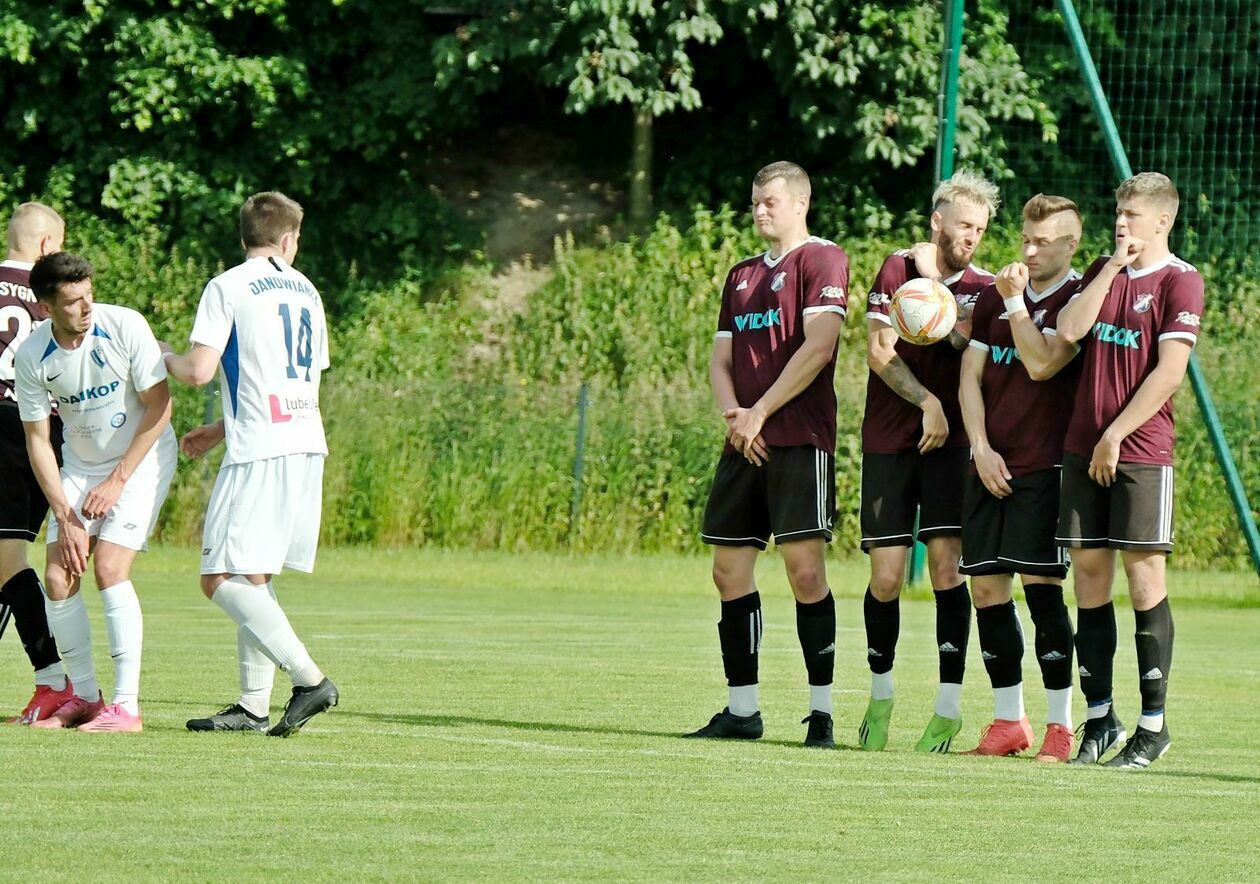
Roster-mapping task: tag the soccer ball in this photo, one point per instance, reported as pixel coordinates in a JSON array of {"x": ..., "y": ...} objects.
[{"x": 923, "y": 311}]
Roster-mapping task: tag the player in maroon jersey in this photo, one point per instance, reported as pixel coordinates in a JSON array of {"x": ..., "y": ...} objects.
[
  {"x": 772, "y": 372},
  {"x": 914, "y": 454},
  {"x": 1018, "y": 381},
  {"x": 1138, "y": 319},
  {"x": 34, "y": 230}
]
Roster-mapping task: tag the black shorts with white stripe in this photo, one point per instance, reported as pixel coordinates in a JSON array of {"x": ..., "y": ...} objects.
[
  {"x": 792, "y": 496},
  {"x": 896, "y": 487},
  {"x": 1135, "y": 512},
  {"x": 1012, "y": 534}
]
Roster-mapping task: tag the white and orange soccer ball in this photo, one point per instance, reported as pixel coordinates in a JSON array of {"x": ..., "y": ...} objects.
[{"x": 923, "y": 311}]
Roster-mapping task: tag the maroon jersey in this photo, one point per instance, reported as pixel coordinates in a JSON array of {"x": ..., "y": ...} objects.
[
  {"x": 1023, "y": 418},
  {"x": 764, "y": 306},
  {"x": 892, "y": 424},
  {"x": 1143, "y": 308},
  {"x": 18, "y": 312}
]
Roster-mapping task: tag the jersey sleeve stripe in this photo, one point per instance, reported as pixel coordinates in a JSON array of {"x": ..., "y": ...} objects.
[
  {"x": 829, "y": 308},
  {"x": 1179, "y": 336}
]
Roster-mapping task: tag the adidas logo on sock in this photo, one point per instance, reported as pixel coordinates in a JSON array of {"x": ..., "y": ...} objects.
[
  {"x": 948, "y": 648},
  {"x": 830, "y": 649},
  {"x": 985, "y": 655},
  {"x": 1084, "y": 673},
  {"x": 1051, "y": 656},
  {"x": 1152, "y": 675},
  {"x": 871, "y": 652}
]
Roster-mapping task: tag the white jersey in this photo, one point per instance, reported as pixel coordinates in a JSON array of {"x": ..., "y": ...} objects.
[
  {"x": 267, "y": 321},
  {"x": 96, "y": 386}
]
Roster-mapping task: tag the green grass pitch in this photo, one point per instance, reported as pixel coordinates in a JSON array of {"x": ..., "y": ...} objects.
[{"x": 515, "y": 717}]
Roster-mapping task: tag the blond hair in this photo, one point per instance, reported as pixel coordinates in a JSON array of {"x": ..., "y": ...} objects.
[
  {"x": 30, "y": 223},
  {"x": 1154, "y": 187},
  {"x": 965, "y": 186}
]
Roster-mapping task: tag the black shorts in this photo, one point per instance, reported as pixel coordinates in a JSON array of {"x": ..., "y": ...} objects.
[
  {"x": 1135, "y": 512},
  {"x": 792, "y": 496},
  {"x": 1014, "y": 534},
  {"x": 895, "y": 486},
  {"x": 22, "y": 503}
]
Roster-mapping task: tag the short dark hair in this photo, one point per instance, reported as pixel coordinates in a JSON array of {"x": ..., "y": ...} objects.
[
  {"x": 53, "y": 271},
  {"x": 267, "y": 216},
  {"x": 793, "y": 176}
]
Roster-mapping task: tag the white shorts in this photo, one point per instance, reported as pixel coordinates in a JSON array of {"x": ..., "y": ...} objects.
[
  {"x": 264, "y": 516},
  {"x": 130, "y": 522}
]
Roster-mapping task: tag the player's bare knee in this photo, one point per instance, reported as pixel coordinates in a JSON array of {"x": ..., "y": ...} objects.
[
  {"x": 209, "y": 583},
  {"x": 885, "y": 584},
  {"x": 989, "y": 591},
  {"x": 808, "y": 580}
]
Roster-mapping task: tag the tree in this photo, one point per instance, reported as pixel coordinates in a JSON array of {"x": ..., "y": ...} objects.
[{"x": 599, "y": 52}]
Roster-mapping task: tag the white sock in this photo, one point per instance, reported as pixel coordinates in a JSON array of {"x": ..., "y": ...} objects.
[
  {"x": 1060, "y": 707},
  {"x": 53, "y": 676},
  {"x": 881, "y": 685},
  {"x": 68, "y": 622},
  {"x": 255, "y": 609},
  {"x": 820, "y": 698},
  {"x": 257, "y": 674},
  {"x": 1151, "y": 722},
  {"x": 124, "y": 624},
  {"x": 949, "y": 700},
  {"x": 1099, "y": 711},
  {"x": 1008, "y": 703},
  {"x": 743, "y": 700}
]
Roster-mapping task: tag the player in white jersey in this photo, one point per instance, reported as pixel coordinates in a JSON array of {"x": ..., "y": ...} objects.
[
  {"x": 34, "y": 231},
  {"x": 261, "y": 327},
  {"x": 102, "y": 366}
]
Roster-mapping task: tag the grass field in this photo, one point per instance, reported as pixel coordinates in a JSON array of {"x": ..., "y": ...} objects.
[{"x": 515, "y": 717}]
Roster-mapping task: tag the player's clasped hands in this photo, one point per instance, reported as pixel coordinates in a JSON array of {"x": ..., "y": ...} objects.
[
  {"x": 743, "y": 431},
  {"x": 1012, "y": 279}
]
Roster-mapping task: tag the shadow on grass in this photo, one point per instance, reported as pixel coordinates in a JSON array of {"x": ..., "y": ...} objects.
[{"x": 547, "y": 726}]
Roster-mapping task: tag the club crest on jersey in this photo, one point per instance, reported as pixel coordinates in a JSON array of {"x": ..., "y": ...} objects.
[
  {"x": 1143, "y": 303},
  {"x": 98, "y": 356},
  {"x": 780, "y": 278}
]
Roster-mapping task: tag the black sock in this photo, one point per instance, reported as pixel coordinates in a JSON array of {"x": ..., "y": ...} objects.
[
  {"x": 883, "y": 625},
  {"x": 1001, "y": 643},
  {"x": 1096, "y": 651},
  {"x": 739, "y": 631},
  {"x": 1154, "y": 637},
  {"x": 816, "y": 628},
  {"x": 25, "y": 596},
  {"x": 1053, "y": 627},
  {"x": 953, "y": 627}
]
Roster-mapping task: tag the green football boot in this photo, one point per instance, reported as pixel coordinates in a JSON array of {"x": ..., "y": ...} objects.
[
  {"x": 873, "y": 731},
  {"x": 939, "y": 734}
]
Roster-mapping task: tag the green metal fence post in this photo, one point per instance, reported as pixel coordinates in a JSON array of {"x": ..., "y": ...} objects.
[
  {"x": 946, "y": 127},
  {"x": 1120, "y": 159}
]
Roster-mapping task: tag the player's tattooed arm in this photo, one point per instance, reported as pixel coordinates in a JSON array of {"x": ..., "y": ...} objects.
[{"x": 882, "y": 358}]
